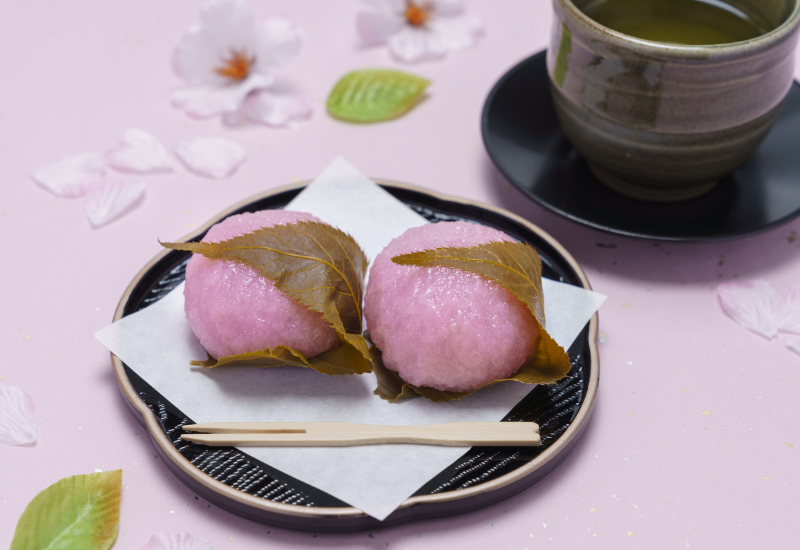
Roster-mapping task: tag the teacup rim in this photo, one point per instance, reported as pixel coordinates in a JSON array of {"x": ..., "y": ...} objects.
[{"x": 685, "y": 51}]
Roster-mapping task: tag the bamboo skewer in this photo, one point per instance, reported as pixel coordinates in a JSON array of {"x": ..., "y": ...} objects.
[{"x": 345, "y": 434}]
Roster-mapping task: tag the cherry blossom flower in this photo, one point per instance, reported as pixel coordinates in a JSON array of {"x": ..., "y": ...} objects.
[
  {"x": 417, "y": 30},
  {"x": 227, "y": 57}
]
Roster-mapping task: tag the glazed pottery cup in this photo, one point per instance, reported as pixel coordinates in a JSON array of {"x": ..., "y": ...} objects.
[{"x": 665, "y": 122}]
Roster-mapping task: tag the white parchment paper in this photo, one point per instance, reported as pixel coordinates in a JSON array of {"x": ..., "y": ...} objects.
[{"x": 158, "y": 344}]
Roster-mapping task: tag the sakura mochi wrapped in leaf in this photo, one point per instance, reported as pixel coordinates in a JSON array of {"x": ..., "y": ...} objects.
[
  {"x": 274, "y": 288},
  {"x": 454, "y": 307}
]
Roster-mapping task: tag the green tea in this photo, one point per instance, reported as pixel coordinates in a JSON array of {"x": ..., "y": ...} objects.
[{"x": 685, "y": 22}]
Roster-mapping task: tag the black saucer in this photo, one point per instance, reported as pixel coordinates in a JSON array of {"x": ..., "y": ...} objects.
[{"x": 524, "y": 140}]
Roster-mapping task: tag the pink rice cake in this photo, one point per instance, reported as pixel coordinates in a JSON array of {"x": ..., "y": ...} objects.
[
  {"x": 442, "y": 327},
  {"x": 233, "y": 309}
]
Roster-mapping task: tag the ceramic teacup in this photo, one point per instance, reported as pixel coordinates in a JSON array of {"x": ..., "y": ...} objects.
[{"x": 665, "y": 122}]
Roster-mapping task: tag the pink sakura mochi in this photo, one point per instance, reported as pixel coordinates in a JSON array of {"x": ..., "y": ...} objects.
[
  {"x": 442, "y": 327},
  {"x": 233, "y": 309}
]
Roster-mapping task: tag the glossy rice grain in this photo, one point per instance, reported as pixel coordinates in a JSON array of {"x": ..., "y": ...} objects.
[
  {"x": 441, "y": 327},
  {"x": 232, "y": 309}
]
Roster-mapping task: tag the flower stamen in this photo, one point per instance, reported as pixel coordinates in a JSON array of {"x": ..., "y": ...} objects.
[
  {"x": 236, "y": 67},
  {"x": 417, "y": 14}
]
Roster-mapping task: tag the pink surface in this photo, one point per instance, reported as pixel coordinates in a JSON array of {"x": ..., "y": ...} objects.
[
  {"x": 420, "y": 317},
  {"x": 695, "y": 437},
  {"x": 233, "y": 309}
]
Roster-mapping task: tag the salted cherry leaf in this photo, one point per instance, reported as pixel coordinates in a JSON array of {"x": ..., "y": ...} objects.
[
  {"x": 75, "y": 512},
  {"x": 755, "y": 305},
  {"x": 375, "y": 95},
  {"x": 17, "y": 420},
  {"x": 318, "y": 265},
  {"x": 176, "y": 541},
  {"x": 517, "y": 268},
  {"x": 343, "y": 359},
  {"x": 790, "y": 311}
]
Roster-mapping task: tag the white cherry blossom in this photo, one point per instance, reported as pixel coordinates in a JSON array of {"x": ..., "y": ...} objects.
[
  {"x": 227, "y": 56},
  {"x": 417, "y": 30}
]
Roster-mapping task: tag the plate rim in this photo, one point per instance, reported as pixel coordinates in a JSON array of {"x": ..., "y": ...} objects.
[
  {"x": 159, "y": 437},
  {"x": 589, "y": 223}
]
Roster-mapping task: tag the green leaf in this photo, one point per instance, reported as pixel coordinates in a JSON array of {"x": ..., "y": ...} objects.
[
  {"x": 375, "y": 95},
  {"x": 518, "y": 268},
  {"x": 76, "y": 513},
  {"x": 318, "y": 265}
]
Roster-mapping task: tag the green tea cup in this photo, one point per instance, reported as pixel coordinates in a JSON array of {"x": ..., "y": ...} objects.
[{"x": 664, "y": 122}]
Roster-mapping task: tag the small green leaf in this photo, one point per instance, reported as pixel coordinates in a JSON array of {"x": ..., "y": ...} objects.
[
  {"x": 375, "y": 95},
  {"x": 518, "y": 268},
  {"x": 76, "y": 513}
]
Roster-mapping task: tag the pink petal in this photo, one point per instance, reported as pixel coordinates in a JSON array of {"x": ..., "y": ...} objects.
[
  {"x": 790, "y": 315},
  {"x": 174, "y": 541},
  {"x": 211, "y": 157},
  {"x": 793, "y": 343},
  {"x": 274, "y": 109},
  {"x": 226, "y": 27},
  {"x": 210, "y": 100},
  {"x": 17, "y": 421},
  {"x": 457, "y": 32},
  {"x": 72, "y": 175},
  {"x": 139, "y": 152},
  {"x": 416, "y": 44},
  {"x": 754, "y": 305},
  {"x": 449, "y": 7},
  {"x": 109, "y": 199},
  {"x": 377, "y": 26},
  {"x": 277, "y": 42}
]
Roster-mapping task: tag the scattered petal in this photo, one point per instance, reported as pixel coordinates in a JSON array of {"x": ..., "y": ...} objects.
[
  {"x": 793, "y": 343},
  {"x": 139, "y": 152},
  {"x": 754, "y": 305},
  {"x": 271, "y": 108},
  {"x": 75, "y": 512},
  {"x": 17, "y": 420},
  {"x": 109, "y": 199},
  {"x": 227, "y": 56},
  {"x": 211, "y": 157},
  {"x": 71, "y": 176},
  {"x": 173, "y": 541},
  {"x": 790, "y": 315}
]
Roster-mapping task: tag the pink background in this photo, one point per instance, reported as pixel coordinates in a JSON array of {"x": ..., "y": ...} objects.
[{"x": 652, "y": 470}]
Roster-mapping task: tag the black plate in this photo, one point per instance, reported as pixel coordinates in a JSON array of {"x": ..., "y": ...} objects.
[
  {"x": 523, "y": 138},
  {"x": 554, "y": 408}
]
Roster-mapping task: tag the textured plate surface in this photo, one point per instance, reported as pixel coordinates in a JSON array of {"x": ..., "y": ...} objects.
[
  {"x": 523, "y": 138},
  {"x": 236, "y": 481}
]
